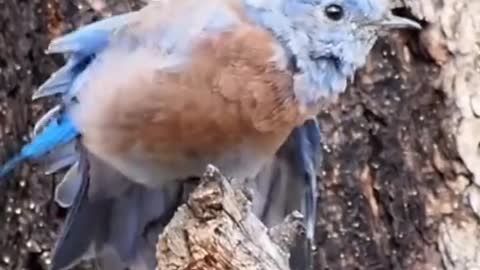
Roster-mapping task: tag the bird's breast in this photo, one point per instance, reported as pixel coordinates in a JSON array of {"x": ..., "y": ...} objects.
[{"x": 231, "y": 105}]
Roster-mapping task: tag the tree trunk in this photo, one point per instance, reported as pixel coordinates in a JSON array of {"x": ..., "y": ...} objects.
[{"x": 400, "y": 186}]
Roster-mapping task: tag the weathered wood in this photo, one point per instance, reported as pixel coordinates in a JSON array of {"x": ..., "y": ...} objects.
[
  {"x": 452, "y": 40},
  {"x": 216, "y": 229}
]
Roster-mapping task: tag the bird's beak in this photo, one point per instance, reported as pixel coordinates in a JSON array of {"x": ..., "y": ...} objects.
[{"x": 394, "y": 22}]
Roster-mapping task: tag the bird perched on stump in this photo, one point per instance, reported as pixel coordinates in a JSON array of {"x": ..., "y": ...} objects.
[{"x": 157, "y": 94}]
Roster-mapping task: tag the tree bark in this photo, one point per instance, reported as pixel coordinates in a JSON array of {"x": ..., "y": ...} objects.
[{"x": 399, "y": 186}]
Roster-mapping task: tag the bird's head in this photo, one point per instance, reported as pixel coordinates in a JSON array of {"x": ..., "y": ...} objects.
[{"x": 329, "y": 39}]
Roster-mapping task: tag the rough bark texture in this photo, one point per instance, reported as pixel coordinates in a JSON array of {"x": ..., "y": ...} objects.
[
  {"x": 400, "y": 182},
  {"x": 216, "y": 229},
  {"x": 402, "y": 158}
]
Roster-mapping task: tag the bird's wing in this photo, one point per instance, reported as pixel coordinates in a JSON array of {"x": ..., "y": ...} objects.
[
  {"x": 289, "y": 182},
  {"x": 56, "y": 129},
  {"x": 113, "y": 220}
]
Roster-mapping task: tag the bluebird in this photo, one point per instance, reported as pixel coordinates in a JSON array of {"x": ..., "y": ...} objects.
[{"x": 153, "y": 96}]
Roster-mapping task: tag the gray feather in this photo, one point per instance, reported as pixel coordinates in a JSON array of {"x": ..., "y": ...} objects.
[
  {"x": 62, "y": 157},
  {"x": 69, "y": 187},
  {"x": 289, "y": 183},
  {"x": 46, "y": 119},
  {"x": 114, "y": 220},
  {"x": 58, "y": 83}
]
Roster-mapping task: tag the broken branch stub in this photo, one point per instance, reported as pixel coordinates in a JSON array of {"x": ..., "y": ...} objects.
[{"x": 216, "y": 229}]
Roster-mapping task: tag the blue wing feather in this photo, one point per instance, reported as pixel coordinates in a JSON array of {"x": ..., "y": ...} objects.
[
  {"x": 82, "y": 46},
  {"x": 61, "y": 81},
  {"x": 55, "y": 134},
  {"x": 307, "y": 140},
  {"x": 91, "y": 38}
]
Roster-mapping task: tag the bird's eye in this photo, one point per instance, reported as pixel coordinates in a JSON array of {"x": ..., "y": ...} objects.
[{"x": 334, "y": 12}]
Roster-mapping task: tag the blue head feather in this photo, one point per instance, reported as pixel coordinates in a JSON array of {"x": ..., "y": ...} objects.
[{"x": 328, "y": 51}]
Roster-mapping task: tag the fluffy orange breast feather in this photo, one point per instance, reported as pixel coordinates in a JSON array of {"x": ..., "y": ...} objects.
[{"x": 234, "y": 91}]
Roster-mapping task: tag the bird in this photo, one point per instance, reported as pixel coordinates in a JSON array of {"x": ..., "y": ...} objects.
[{"x": 150, "y": 97}]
